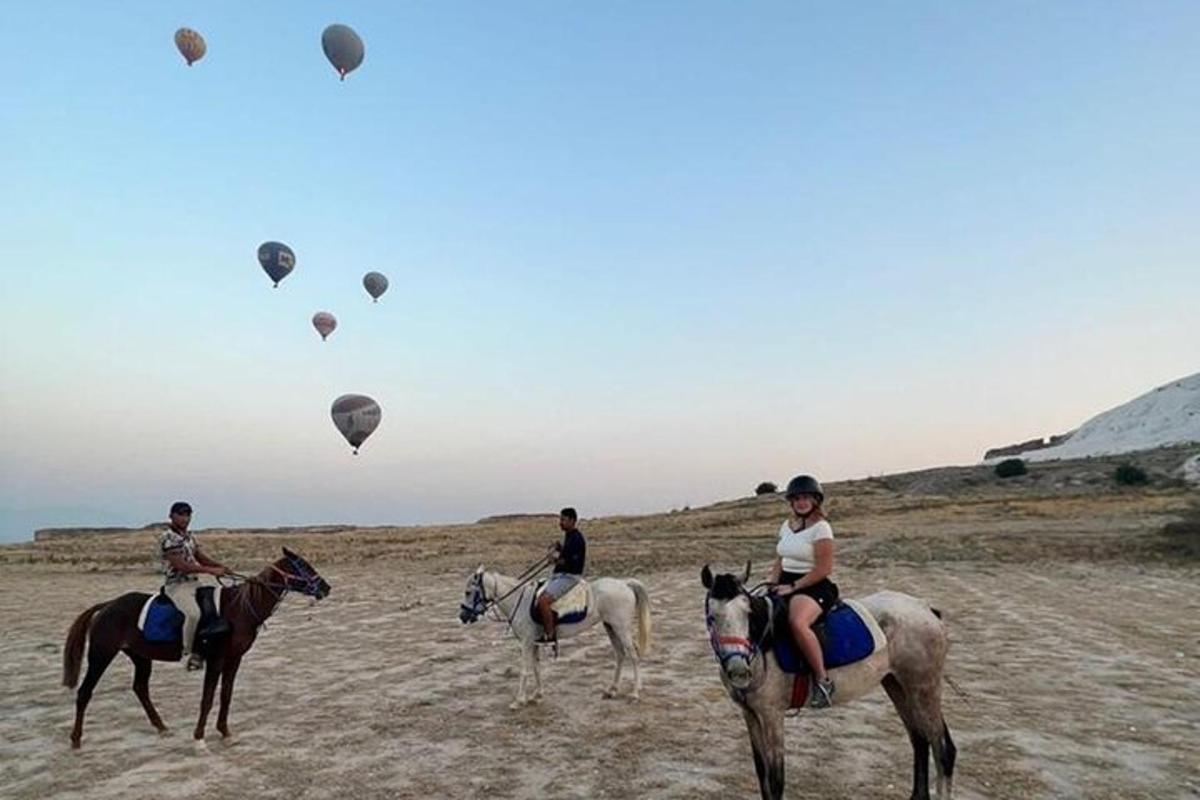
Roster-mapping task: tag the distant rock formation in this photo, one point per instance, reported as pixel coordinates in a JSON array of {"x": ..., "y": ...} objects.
[{"x": 1025, "y": 447}]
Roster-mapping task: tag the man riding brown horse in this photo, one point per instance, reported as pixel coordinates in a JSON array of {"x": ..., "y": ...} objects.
[{"x": 183, "y": 562}]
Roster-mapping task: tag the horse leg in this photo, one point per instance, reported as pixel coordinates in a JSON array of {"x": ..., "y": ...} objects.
[
  {"x": 754, "y": 727},
  {"x": 630, "y": 651},
  {"x": 619, "y": 652},
  {"x": 100, "y": 655},
  {"x": 772, "y": 732},
  {"x": 537, "y": 676},
  {"x": 211, "y": 673},
  {"x": 920, "y": 744},
  {"x": 527, "y": 649},
  {"x": 141, "y": 688},
  {"x": 228, "y": 675},
  {"x": 944, "y": 754}
]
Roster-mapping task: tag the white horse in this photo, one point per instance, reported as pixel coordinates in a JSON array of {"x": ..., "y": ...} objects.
[
  {"x": 910, "y": 668},
  {"x": 622, "y": 605}
]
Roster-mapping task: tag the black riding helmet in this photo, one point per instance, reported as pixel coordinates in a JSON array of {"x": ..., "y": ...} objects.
[{"x": 805, "y": 484}]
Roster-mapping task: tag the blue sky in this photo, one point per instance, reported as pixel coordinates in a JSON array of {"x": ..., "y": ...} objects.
[{"x": 641, "y": 255}]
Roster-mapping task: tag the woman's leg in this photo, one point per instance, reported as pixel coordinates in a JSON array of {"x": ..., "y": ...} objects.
[{"x": 803, "y": 611}]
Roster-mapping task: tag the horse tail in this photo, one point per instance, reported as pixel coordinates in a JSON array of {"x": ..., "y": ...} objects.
[
  {"x": 73, "y": 649},
  {"x": 643, "y": 615}
]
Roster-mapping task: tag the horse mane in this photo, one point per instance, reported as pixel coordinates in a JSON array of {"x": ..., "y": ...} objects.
[{"x": 760, "y": 618}]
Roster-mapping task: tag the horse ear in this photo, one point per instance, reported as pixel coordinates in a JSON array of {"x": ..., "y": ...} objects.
[
  {"x": 746, "y": 577},
  {"x": 706, "y": 577},
  {"x": 288, "y": 553},
  {"x": 479, "y": 569}
]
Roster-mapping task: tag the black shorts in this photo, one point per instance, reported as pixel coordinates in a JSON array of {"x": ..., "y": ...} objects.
[{"x": 825, "y": 591}]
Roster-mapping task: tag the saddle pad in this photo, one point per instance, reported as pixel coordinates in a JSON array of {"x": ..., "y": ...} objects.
[
  {"x": 572, "y": 607},
  {"x": 847, "y": 633}
]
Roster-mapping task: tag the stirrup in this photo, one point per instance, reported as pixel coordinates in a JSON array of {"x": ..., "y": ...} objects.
[
  {"x": 823, "y": 692},
  {"x": 195, "y": 662}
]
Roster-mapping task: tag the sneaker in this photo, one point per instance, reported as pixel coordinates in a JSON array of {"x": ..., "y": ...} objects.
[
  {"x": 822, "y": 694},
  {"x": 195, "y": 662}
]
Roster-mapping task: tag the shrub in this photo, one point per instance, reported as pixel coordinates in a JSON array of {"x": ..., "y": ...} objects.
[
  {"x": 766, "y": 487},
  {"x": 1010, "y": 468},
  {"x": 1129, "y": 475}
]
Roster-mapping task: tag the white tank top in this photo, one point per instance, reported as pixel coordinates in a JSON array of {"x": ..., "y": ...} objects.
[{"x": 795, "y": 548}]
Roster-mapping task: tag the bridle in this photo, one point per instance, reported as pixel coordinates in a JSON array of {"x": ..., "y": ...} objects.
[
  {"x": 728, "y": 648},
  {"x": 481, "y": 605},
  {"x": 306, "y": 582}
]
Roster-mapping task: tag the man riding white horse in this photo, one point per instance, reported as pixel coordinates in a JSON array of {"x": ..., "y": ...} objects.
[{"x": 568, "y": 571}]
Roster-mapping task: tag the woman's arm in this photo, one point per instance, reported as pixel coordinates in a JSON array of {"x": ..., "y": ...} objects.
[{"x": 822, "y": 566}]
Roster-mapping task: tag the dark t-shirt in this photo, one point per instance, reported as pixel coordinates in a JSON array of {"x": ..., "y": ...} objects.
[{"x": 574, "y": 552}]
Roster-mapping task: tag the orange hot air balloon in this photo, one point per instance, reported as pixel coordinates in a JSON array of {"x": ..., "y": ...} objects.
[{"x": 191, "y": 45}]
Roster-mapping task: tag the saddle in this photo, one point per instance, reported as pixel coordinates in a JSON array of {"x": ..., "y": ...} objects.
[
  {"x": 847, "y": 633},
  {"x": 572, "y": 607},
  {"x": 162, "y": 623}
]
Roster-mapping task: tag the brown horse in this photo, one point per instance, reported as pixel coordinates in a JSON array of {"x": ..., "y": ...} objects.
[{"x": 112, "y": 628}]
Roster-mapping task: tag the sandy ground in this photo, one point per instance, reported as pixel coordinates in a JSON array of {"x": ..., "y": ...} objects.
[{"x": 1080, "y": 681}]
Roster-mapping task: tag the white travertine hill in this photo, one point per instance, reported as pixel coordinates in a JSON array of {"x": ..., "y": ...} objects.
[{"x": 1166, "y": 416}]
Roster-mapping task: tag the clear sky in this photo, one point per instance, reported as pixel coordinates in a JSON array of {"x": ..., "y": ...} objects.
[{"x": 642, "y": 255}]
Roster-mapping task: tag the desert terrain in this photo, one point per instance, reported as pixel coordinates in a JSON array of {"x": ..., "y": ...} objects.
[{"x": 1072, "y": 605}]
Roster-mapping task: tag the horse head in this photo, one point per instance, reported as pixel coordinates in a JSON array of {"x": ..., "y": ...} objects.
[
  {"x": 474, "y": 602},
  {"x": 737, "y": 624},
  {"x": 299, "y": 576}
]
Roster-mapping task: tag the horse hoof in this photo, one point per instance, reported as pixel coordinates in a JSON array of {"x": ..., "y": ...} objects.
[
  {"x": 229, "y": 739},
  {"x": 608, "y": 694},
  {"x": 165, "y": 732},
  {"x": 200, "y": 747},
  {"x": 515, "y": 705},
  {"x": 75, "y": 744},
  {"x": 635, "y": 698}
]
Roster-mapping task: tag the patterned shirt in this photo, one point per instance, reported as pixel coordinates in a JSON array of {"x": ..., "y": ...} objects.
[{"x": 172, "y": 541}]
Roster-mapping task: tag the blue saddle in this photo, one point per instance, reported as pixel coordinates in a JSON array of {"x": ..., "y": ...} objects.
[
  {"x": 843, "y": 635},
  {"x": 164, "y": 622}
]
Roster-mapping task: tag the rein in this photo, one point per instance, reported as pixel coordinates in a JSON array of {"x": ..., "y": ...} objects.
[
  {"x": 523, "y": 580},
  {"x": 276, "y": 590}
]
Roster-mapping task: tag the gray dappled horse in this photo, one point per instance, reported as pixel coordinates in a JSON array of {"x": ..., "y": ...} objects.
[
  {"x": 909, "y": 667},
  {"x": 621, "y": 604}
]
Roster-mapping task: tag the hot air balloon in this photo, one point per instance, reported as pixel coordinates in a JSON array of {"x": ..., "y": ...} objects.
[
  {"x": 343, "y": 48},
  {"x": 191, "y": 45},
  {"x": 277, "y": 260},
  {"x": 325, "y": 323},
  {"x": 376, "y": 284},
  {"x": 356, "y": 416}
]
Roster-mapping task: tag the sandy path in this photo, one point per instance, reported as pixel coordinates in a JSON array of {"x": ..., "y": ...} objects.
[{"x": 379, "y": 692}]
